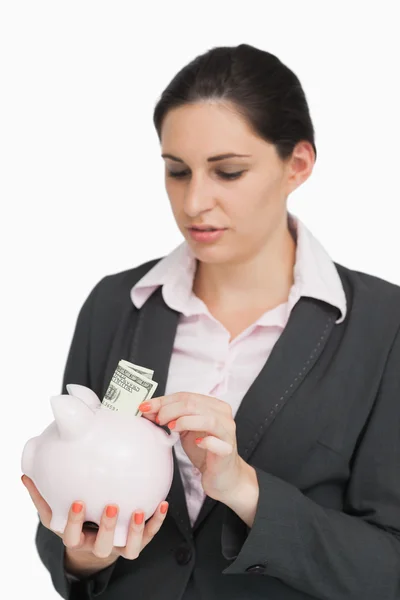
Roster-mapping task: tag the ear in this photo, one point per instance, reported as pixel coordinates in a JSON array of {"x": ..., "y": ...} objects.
[
  {"x": 84, "y": 393},
  {"x": 73, "y": 417}
]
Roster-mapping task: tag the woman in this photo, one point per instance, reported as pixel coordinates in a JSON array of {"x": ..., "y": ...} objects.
[{"x": 279, "y": 368}]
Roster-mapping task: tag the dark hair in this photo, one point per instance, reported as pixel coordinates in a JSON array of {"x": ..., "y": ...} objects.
[{"x": 263, "y": 90}]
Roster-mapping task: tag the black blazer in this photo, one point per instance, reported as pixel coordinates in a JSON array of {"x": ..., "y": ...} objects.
[{"x": 320, "y": 425}]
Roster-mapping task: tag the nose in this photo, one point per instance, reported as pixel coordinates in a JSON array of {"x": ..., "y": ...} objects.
[{"x": 198, "y": 198}]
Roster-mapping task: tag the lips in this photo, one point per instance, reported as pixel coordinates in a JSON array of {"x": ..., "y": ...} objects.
[
  {"x": 207, "y": 228},
  {"x": 200, "y": 235}
]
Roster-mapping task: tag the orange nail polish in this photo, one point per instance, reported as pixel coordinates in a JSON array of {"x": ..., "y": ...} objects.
[
  {"x": 164, "y": 507},
  {"x": 144, "y": 407},
  {"x": 77, "y": 507},
  {"x": 139, "y": 518},
  {"x": 198, "y": 440},
  {"x": 111, "y": 511},
  {"x": 171, "y": 424},
  {"x": 157, "y": 420}
]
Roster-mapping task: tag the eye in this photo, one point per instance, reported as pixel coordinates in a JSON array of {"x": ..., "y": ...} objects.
[{"x": 181, "y": 174}]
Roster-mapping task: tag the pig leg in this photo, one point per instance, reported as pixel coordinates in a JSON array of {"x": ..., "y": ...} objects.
[{"x": 121, "y": 534}]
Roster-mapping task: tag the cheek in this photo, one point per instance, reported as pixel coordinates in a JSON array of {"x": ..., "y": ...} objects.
[
  {"x": 173, "y": 197},
  {"x": 253, "y": 198},
  {"x": 257, "y": 219},
  {"x": 267, "y": 202},
  {"x": 249, "y": 211}
]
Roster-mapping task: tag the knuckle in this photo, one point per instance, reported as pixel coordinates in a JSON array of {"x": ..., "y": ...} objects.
[
  {"x": 75, "y": 521},
  {"x": 228, "y": 408},
  {"x": 192, "y": 404},
  {"x": 131, "y": 555},
  {"x": 107, "y": 525},
  {"x": 151, "y": 532},
  {"x": 213, "y": 422},
  {"x": 135, "y": 528},
  {"x": 75, "y": 518},
  {"x": 100, "y": 553},
  {"x": 74, "y": 546},
  {"x": 184, "y": 397}
]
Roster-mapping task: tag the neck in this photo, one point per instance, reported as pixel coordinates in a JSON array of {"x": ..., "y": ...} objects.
[{"x": 261, "y": 280}]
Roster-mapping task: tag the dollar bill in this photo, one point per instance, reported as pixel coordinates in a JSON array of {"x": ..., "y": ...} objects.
[
  {"x": 142, "y": 370},
  {"x": 128, "y": 388}
]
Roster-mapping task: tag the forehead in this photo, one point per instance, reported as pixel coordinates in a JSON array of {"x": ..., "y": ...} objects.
[{"x": 208, "y": 128}]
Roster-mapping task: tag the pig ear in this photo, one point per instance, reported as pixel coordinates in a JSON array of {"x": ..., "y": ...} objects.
[
  {"x": 84, "y": 393},
  {"x": 73, "y": 417}
]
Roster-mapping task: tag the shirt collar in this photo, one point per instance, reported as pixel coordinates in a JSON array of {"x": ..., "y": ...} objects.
[{"x": 315, "y": 276}]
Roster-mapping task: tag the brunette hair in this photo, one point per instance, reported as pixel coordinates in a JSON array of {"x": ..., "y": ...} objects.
[{"x": 262, "y": 89}]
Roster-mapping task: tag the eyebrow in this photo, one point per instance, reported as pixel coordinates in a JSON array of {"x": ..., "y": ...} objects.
[{"x": 211, "y": 158}]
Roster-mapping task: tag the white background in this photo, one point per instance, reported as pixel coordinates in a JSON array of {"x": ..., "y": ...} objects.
[{"x": 82, "y": 180}]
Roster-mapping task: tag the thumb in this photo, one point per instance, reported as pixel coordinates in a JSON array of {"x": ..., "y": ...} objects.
[{"x": 42, "y": 507}]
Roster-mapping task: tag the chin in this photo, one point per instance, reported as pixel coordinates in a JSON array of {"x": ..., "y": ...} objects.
[{"x": 212, "y": 253}]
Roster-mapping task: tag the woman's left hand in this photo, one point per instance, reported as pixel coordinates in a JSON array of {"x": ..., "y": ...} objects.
[{"x": 197, "y": 416}]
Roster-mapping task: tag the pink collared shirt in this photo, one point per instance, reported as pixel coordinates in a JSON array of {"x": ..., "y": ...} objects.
[{"x": 204, "y": 360}]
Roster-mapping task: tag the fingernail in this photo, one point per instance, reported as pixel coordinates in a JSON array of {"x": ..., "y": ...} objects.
[
  {"x": 171, "y": 424},
  {"x": 144, "y": 407},
  {"x": 139, "y": 518},
  {"x": 77, "y": 507},
  {"x": 157, "y": 420},
  {"x": 198, "y": 440},
  {"x": 164, "y": 507},
  {"x": 111, "y": 511}
]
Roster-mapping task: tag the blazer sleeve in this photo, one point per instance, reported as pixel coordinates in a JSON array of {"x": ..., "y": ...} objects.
[
  {"x": 50, "y": 546},
  {"x": 323, "y": 552}
]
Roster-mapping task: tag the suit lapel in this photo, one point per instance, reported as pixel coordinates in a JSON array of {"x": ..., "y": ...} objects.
[
  {"x": 293, "y": 356},
  {"x": 152, "y": 347}
]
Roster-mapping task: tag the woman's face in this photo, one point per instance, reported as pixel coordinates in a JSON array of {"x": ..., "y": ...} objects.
[{"x": 250, "y": 205}]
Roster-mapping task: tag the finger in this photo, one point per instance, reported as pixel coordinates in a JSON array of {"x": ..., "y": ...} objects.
[
  {"x": 196, "y": 404},
  {"x": 104, "y": 543},
  {"x": 42, "y": 507},
  {"x": 215, "y": 445},
  {"x": 183, "y": 398},
  {"x": 152, "y": 406},
  {"x": 205, "y": 423},
  {"x": 73, "y": 536},
  {"x": 135, "y": 536},
  {"x": 150, "y": 417},
  {"x": 153, "y": 525}
]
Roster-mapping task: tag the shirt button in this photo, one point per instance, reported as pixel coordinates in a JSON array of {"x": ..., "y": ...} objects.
[
  {"x": 257, "y": 569},
  {"x": 183, "y": 555}
]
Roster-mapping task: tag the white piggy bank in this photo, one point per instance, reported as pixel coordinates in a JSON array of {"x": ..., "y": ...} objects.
[{"x": 100, "y": 457}]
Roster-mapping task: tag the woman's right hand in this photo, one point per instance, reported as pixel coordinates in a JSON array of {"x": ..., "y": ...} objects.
[{"x": 93, "y": 550}]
